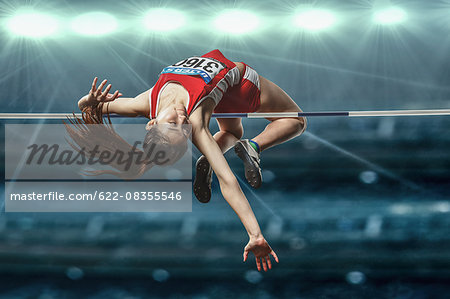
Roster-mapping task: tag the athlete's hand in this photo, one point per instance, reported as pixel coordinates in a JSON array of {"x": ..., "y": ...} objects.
[
  {"x": 262, "y": 252},
  {"x": 96, "y": 95}
]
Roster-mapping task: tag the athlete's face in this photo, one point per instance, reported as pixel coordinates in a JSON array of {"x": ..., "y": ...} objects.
[
  {"x": 175, "y": 114},
  {"x": 174, "y": 121}
]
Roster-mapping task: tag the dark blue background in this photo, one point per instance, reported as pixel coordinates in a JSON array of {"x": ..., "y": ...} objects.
[{"x": 361, "y": 196}]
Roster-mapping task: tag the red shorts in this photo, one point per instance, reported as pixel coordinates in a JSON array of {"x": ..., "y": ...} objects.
[{"x": 243, "y": 97}]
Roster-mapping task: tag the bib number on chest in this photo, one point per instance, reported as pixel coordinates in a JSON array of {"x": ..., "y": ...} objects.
[{"x": 206, "y": 68}]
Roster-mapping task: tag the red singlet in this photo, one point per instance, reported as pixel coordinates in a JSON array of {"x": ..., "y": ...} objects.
[{"x": 211, "y": 76}]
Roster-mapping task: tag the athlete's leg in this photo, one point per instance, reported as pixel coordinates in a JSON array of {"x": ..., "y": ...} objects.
[
  {"x": 230, "y": 131},
  {"x": 279, "y": 130}
]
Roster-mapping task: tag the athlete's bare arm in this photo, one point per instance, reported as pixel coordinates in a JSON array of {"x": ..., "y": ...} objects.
[
  {"x": 114, "y": 103},
  {"x": 229, "y": 186}
]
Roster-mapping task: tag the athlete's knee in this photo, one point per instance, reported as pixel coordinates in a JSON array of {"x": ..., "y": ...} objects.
[
  {"x": 300, "y": 124},
  {"x": 303, "y": 123}
]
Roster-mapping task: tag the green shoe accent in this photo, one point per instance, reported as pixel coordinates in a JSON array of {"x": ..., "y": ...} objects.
[{"x": 254, "y": 145}]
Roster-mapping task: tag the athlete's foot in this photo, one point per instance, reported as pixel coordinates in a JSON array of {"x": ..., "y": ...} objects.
[
  {"x": 203, "y": 179},
  {"x": 251, "y": 160}
]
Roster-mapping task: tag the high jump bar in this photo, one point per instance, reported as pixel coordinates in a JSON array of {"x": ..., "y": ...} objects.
[{"x": 426, "y": 112}]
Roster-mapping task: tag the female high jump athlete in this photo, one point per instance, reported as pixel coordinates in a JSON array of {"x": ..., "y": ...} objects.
[{"x": 188, "y": 92}]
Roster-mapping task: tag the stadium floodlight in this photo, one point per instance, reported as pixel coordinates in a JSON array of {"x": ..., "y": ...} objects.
[
  {"x": 392, "y": 15},
  {"x": 164, "y": 19},
  {"x": 314, "y": 20},
  {"x": 236, "y": 22},
  {"x": 94, "y": 24},
  {"x": 32, "y": 24}
]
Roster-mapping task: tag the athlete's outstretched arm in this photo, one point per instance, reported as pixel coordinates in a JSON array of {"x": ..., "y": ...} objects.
[
  {"x": 113, "y": 104},
  {"x": 233, "y": 194}
]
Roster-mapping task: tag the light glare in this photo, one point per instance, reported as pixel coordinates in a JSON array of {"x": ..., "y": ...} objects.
[
  {"x": 391, "y": 15},
  {"x": 32, "y": 24},
  {"x": 94, "y": 24},
  {"x": 163, "y": 19},
  {"x": 236, "y": 22},
  {"x": 315, "y": 20}
]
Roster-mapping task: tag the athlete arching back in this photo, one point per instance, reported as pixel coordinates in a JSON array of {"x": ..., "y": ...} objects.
[{"x": 182, "y": 97}]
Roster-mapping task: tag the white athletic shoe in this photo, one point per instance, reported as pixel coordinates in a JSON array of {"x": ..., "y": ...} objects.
[{"x": 251, "y": 160}]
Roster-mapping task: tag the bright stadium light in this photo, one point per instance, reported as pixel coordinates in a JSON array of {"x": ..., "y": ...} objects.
[
  {"x": 94, "y": 24},
  {"x": 164, "y": 19},
  {"x": 32, "y": 24},
  {"x": 388, "y": 16},
  {"x": 236, "y": 22},
  {"x": 315, "y": 20}
]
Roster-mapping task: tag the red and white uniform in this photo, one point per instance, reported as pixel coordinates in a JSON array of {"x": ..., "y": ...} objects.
[{"x": 211, "y": 76}]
